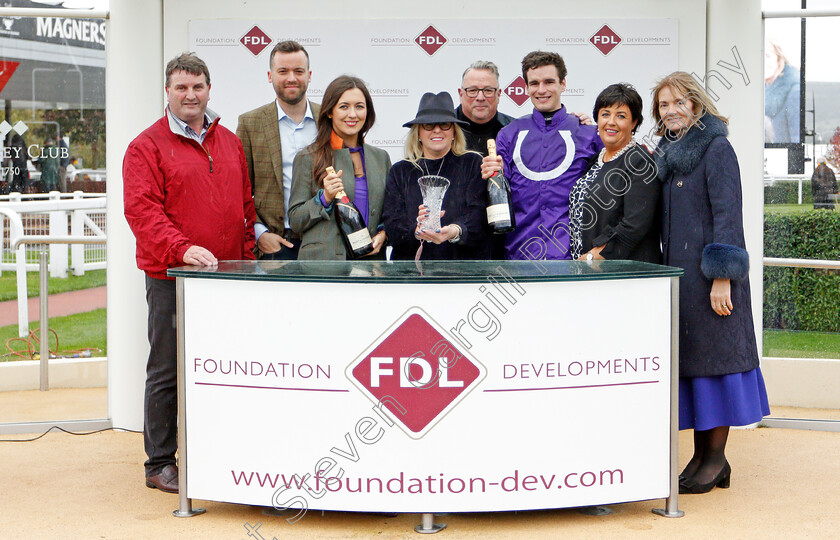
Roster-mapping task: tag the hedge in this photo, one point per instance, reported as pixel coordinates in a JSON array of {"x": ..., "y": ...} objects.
[
  {"x": 802, "y": 298},
  {"x": 788, "y": 193}
]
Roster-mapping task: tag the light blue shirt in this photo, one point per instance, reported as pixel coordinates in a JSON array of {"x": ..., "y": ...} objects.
[
  {"x": 293, "y": 138},
  {"x": 186, "y": 130}
]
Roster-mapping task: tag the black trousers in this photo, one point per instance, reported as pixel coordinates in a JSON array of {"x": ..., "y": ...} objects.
[{"x": 160, "y": 406}]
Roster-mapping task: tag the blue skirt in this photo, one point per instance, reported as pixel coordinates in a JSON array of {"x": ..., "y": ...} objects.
[{"x": 737, "y": 399}]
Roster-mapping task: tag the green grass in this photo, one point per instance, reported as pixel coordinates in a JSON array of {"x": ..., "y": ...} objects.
[
  {"x": 8, "y": 283},
  {"x": 795, "y": 344},
  {"x": 88, "y": 330},
  {"x": 787, "y": 208},
  {"x": 80, "y": 331}
]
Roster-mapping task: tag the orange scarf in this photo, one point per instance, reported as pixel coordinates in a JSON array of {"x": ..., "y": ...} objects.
[{"x": 336, "y": 142}]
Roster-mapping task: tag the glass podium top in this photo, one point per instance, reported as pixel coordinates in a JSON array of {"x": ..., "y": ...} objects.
[{"x": 425, "y": 271}]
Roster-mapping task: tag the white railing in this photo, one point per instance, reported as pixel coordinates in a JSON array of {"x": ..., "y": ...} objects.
[
  {"x": 50, "y": 215},
  {"x": 797, "y": 13},
  {"x": 76, "y": 211},
  {"x": 802, "y": 263},
  {"x": 769, "y": 180}
]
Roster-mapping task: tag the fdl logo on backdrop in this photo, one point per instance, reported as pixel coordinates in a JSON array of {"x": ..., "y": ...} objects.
[
  {"x": 417, "y": 373},
  {"x": 430, "y": 40},
  {"x": 255, "y": 40},
  {"x": 517, "y": 90},
  {"x": 605, "y": 40}
]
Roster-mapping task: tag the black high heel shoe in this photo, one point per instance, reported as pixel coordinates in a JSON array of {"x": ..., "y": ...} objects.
[{"x": 689, "y": 485}]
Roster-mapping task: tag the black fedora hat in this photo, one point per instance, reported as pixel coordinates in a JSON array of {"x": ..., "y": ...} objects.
[{"x": 435, "y": 109}]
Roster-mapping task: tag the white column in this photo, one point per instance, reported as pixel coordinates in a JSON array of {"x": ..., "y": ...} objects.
[
  {"x": 738, "y": 25},
  {"x": 134, "y": 97}
]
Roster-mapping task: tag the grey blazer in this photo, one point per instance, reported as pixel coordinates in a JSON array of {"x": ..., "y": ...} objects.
[{"x": 318, "y": 230}]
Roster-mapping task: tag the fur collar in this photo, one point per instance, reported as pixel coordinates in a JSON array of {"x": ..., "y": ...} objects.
[{"x": 683, "y": 155}]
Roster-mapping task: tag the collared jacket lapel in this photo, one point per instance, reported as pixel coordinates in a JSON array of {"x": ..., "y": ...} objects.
[{"x": 270, "y": 126}]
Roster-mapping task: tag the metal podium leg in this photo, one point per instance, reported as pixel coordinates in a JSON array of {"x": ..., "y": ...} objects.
[
  {"x": 671, "y": 507},
  {"x": 185, "y": 508},
  {"x": 428, "y": 525},
  {"x": 594, "y": 511}
]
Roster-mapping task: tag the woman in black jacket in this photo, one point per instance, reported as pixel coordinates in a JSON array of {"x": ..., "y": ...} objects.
[
  {"x": 435, "y": 146},
  {"x": 612, "y": 207},
  {"x": 703, "y": 233}
]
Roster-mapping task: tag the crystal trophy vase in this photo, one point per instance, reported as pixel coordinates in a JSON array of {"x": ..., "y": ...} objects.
[{"x": 433, "y": 189}]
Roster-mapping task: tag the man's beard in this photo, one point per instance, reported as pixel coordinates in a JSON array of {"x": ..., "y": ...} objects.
[{"x": 283, "y": 96}]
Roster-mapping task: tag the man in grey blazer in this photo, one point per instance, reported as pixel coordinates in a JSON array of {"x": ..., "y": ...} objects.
[{"x": 272, "y": 135}]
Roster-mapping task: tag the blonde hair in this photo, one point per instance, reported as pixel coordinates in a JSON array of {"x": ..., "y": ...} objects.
[
  {"x": 691, "y": 90},
  {"x": 414, "y": 150},
  {"x": 781, "y": 61},
  {"x": 777, "y": 50}
]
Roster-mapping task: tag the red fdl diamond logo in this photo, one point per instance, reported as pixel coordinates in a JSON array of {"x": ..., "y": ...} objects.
[
  {"x": 430, "y": 40},
  {"x": 517, "y": 90},
  {"x": 255, "y": 40},
  {"x": 417, "y": 373},
  {"x": 605, "y": 40}
]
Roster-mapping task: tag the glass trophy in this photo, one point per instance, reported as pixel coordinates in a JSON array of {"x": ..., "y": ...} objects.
[{"x": 433, "y": 189}]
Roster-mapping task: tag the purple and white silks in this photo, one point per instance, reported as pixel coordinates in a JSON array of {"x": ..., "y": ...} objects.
[{"x": 542, "y": 163}]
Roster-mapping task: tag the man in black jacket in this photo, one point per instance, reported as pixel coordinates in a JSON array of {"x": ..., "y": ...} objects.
[{"x": 480, "y": 93}]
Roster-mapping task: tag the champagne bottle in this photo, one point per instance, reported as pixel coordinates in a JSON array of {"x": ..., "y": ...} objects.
[
  {"x": 351, "y": 224},
  {"x": 500, "y": 214}
]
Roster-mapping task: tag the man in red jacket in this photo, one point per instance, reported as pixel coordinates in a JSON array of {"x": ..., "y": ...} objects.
[{"x": 188, "y": 201}]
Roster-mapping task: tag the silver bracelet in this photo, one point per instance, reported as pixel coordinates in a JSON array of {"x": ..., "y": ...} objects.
[{"x": 457, "y": 236}]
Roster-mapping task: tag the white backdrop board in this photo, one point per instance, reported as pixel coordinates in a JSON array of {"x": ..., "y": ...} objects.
[
  {"x": 552, "y": 411},
  {"x": 402, "y": 59}
]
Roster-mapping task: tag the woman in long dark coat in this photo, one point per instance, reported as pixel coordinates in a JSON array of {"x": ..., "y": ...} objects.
[{"x": 703, "y": 233}]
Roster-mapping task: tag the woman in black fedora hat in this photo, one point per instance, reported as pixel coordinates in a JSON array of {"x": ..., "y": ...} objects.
[{"x": 435, "y": 147}]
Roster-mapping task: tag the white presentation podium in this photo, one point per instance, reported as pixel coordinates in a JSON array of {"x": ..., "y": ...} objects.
[{"x": 460, "y": 386}]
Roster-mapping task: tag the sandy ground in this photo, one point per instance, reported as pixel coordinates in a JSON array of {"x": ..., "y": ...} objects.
[
  {"x": 784, "y": 485},
  {"x": 55, "y": 404}
]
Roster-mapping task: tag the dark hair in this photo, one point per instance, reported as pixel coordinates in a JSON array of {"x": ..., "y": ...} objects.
[
  {"x": 620, "y": 94},
  {"x": 287, "y": 47},
  {"x": 188, "y": 62},
  {"x": 537, "y": 59},
  {"x": 321, "y": 149}
]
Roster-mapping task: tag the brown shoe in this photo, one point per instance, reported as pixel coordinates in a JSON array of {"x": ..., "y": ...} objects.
[{"x": 166, "y": 480}]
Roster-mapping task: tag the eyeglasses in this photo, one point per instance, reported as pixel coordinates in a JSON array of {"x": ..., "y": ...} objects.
[
  {"x": 488, "y": 92},
  {"x": 445, "y": 126}
]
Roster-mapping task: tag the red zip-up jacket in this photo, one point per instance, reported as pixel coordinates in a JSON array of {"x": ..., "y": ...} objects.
[{"x": 178, "y": 193}]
